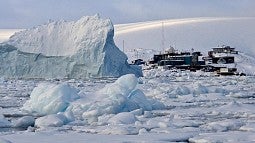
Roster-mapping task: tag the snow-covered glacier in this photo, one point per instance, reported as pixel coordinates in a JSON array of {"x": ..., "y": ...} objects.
[{"x": 77, "y": 49}]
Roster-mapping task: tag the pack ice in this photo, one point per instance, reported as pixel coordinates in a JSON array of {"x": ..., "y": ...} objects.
[{"x": 77, "y": 49}]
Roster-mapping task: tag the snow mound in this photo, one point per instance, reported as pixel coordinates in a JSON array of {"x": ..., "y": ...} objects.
[
  {"x": 120, "y": 96},
  {"x": 48, "y": 98},
  {"x": 80, "y": 49}
]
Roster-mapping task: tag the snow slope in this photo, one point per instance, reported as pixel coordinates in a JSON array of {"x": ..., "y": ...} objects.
[{"x": 80, "y": 49}]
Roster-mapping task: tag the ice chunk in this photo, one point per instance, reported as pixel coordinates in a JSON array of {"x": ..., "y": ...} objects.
[
  {"x": 200, "y": 89},
  {"x": 123, "y": 118},
  {"x": 80, "y": 49},
  {"x": 120, "y": 96},
  {"x": 25, "y": 122},
  {"x": 139, "y": 100},
  {"x": 54, "y": 120},
  {"x": 123, "y": 85},
  {"x": 120, "y": 130},
  {"x": 181, "y": 90},
  {"x": 68, "y": 115},
  {"x": 223, "y": 126},
  {"x": 49, "y": 98}
]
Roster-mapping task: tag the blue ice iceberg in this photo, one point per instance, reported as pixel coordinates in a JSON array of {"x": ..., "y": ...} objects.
[{"x": 80, "y": 49}]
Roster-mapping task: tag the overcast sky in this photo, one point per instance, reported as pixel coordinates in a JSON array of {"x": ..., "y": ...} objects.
[{"x": 29, "y": 13}]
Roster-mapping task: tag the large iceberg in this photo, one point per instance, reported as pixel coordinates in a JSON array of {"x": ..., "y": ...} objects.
[{"x": 80, "y": 49}]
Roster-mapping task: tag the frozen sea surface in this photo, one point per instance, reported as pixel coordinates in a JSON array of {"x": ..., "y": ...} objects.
[{"x": 199, "y": 107}]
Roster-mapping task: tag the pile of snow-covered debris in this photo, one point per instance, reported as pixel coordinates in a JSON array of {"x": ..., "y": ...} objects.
[{"x": 80, "y": 49}]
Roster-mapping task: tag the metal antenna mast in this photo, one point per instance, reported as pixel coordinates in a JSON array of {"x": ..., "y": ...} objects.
[
  {"x": 163, "y": 37},
  {"x": 123, "y": 48}
]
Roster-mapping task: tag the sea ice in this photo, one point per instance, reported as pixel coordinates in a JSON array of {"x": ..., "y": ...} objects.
[{"x": 102, "y": 110}]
